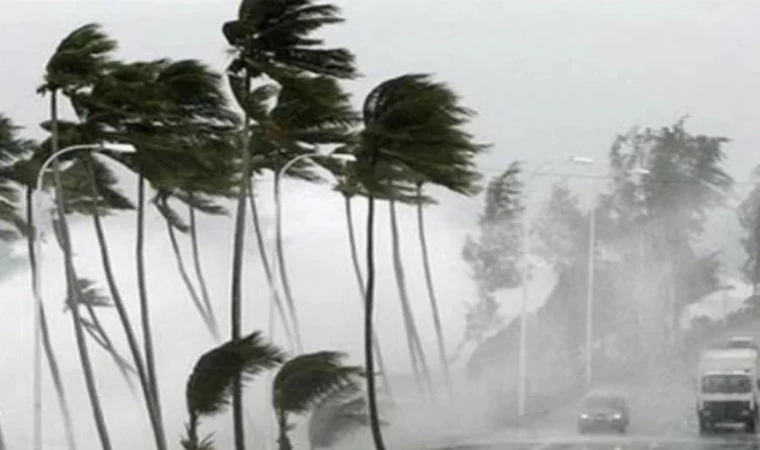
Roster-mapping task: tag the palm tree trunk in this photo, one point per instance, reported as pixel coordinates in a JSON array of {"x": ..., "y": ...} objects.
[
  {"x": 189, "y": 284},
  {"x": 283, "y": 440},
  {"x": 55, "y": 372},
  {"x": 431, "y": 290},
  {"x": 192, "y": 431},
  {"x": 265, "y": 263},
  {"x": 73, "y": 291},
  {"x": 369, "y": 306},
  {"x": 360, "y": 282},
  {"x": 416, "y": 353},
  {"x": 199, "y": 270},
  {"x": 237, "y": 274},
  {"x": 283, "y": 270},
  {"x": 150, "y": 360},
  {"x": 121, "y": 310},
  {"x": 95, "y": 328}
]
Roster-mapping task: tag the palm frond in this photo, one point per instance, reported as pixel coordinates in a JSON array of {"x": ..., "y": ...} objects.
[
  {"x": 161, "y": 202},
  {"x": 276, "y": 36},
  {"x": 89, "y": 294},
  {"x": 337, "y": 416},
  {"x": 78, "y": 59},
  {"x": 417, "y": 123},
  {"x": 304, "y": 381},
  {"x": 209, "y": 386}
]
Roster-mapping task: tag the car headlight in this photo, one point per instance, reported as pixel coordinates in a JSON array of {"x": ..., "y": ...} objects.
[
  {"x": 584, "y": 416},
  {"x": 617, "y": 416}
]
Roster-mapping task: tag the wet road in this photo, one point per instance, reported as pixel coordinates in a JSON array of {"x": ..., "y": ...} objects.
[
  {"x": 662, "y": 417},
  {"x": 728, "y": 442}
]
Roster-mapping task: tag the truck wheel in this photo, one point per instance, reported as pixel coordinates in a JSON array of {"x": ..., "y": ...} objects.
[{"x": 751, "y": 426}]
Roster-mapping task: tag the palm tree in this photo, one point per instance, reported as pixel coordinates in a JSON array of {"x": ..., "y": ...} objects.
[
  {"x": 91, "y": 191},
  {"x": 304, "y": 382},
  {"x": 349, "y": 187},
  {"x": 171, "y": 111},
  {"x": 271, "y": 37},
  {"x": 464, "y": 179},
  {"x": 210, "y": 385},
  {"x": 18, "y": 170},
  {"x": 414, "y": 123},
  {"x": 76, "y": 63},
  {"x": 337, "y": 416}
]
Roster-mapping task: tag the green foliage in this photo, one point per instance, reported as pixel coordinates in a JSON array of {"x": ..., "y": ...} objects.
[
  {"x": 308, "y": 112},
  {"x": 337, "y": 416},
  {"x": 496, "y": 254},
  {"x": 275, "y": 37},
  {"x": 562, "y": 230},
  {"x": 304, "y": 381},
  {"x": 749, "y": 218},
  {"x": 78, "y": 60},
  {"x": 12, "y": 150},
  {"x": 209, "y": 385},
  {"x": 417, "y": 124}
]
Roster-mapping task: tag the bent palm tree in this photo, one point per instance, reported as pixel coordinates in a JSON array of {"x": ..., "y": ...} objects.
[
  {"x": 269, "y": 37},
  {"x": 304, "y": 382},
  {"x": 209, "y": 387},
  {"x": 76, "y": 63},
  {"x": 349, "y": 187},
  {"x": 414, "y": 123}
]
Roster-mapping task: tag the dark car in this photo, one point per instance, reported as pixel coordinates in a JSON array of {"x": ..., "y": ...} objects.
[{"x": 603, "y": 412}]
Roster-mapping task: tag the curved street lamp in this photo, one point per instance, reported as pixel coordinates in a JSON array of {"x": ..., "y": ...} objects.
[
  {"x": 345, "y": 157},
  {"x": 37, "y": 279}
]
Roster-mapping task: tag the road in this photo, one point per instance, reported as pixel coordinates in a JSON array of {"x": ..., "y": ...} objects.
[{"x": 662, "y": 417}]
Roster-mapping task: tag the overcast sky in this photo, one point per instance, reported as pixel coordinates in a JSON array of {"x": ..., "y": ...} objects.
[{"x": 548, "y": 79}]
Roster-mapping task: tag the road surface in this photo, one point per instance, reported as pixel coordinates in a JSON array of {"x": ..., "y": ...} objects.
[{"x": 662, "y": 417}]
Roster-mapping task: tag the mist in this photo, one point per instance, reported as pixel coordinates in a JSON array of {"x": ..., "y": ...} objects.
[{"x": 548, "y": 80}]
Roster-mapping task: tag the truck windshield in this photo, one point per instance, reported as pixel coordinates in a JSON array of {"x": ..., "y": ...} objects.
[{"x": 726, "y": 384}]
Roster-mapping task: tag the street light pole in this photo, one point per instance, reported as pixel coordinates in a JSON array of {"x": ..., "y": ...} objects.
[
  {"x": 276, "y": 267},
  {"x": 590, "y": 293},
  {"x": 37, "y": 276},
  {"x": 522, "y": 356}
]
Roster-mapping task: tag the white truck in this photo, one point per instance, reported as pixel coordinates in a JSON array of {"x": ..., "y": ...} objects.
[{"x": 727, "y": 390}]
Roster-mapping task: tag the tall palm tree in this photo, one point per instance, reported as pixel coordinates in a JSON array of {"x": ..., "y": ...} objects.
[
  {"x": 209, "y": 387},
  {"x": 76, "y": 63},
  {"x": 464, "y": 180},
  {"x": 415, "y": 123},
  {"x": 18, "y": 170},
  {"x": 349, "y": 187},
  {"x": 170, "y": 111},
  {"x": 304, "y": 382},
  {"x": 269, "y": 37},
  {"x": 416, "y": 353},
  {"x": 337, "y": 416},
  {"x": 92, "y": 191}
]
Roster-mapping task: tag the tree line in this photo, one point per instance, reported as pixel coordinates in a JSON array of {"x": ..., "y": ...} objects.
[{"x": 651, "y": 261}]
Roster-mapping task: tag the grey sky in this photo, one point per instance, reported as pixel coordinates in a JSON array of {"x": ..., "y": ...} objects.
[{"x": 547, "y": 78}]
